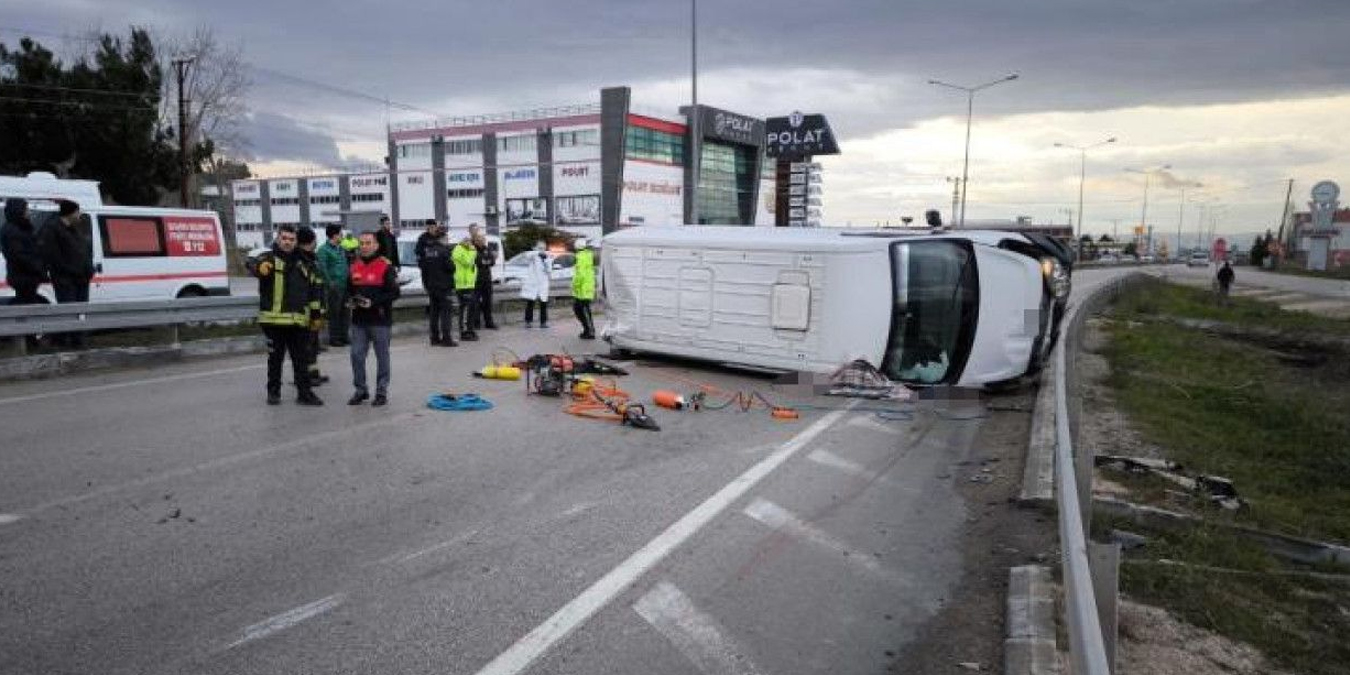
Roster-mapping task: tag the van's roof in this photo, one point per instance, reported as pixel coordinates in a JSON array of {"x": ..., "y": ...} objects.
[
  {"x": 40, "y": 185},
  {"x": 790, "y": 238}
]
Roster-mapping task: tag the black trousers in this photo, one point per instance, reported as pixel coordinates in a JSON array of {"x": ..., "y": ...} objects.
[
  {"x": 283, "y": 339},
  {"x": 483, "y": 295},
  {"x": 439, "y": 313},
  {"x": 468, "y": 309},
  {"x": 338, "y": 314},
  {"x": 543, "y": 311},
  {"x": 25, "y": 294},
  {"x": 70, "y": 289},
  {"x": 582, "y": 310}
]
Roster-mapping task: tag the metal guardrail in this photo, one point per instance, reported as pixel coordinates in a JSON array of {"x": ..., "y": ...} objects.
[
  {"x": 1089, "y": 570},
  {"x": 24, "y": 320}
]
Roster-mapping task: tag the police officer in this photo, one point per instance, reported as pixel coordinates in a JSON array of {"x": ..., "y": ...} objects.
[
  {"x": 465, "y": 258},
  {"x": 433, "y": 258},
  {"x": 286, "y": 305},
  {"x": 388, "y": 242},
  {"x": 483, "y": 282},
  {"x": 583, "y": 288}
]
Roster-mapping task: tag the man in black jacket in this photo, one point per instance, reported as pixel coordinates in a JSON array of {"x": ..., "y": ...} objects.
[
  {"x": 24, "y": 270},
  {"x": 433, "y": 258},
  {"x": 68, "y": 254},
  {"x": 372, "y": 289},
  {"x": 388, "y": 242},
  {"x": 487, "y": 258}
]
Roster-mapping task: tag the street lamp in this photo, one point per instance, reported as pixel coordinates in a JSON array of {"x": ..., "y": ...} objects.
[
  {"x": 694, "y": 127},
  {"x": 1148, "y": 174},
  {"x": 1082, "y": 178},
  {"x": 970, "y": 109}
]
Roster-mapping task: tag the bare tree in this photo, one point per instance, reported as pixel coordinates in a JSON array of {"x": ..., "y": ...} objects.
[{"x": 217, "y": 89}]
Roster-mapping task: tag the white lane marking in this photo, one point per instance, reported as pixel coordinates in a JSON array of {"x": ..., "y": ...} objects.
[
  {"x": 403, "y": 558},
  {"x": 132, "y": 383},
  {"x": 288, "y": 619},
  {"x": 312, "y": 439},
  {"x": 827, "y": 458},
  {"x": 697, "y": 635},
  {"x": 870, "y": 422},
  {"x": 537, "y": 642},
  {"x": 779, "y": 518},
  {"x": 112, "y": 386},
  {"x": 7, "y": 518}
]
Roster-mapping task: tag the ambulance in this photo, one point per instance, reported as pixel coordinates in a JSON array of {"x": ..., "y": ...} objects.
[
  {"x": 140, "y": 253},
  {"x": 963, "y": 308}
]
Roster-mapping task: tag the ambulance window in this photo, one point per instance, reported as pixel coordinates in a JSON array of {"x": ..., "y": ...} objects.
[{"x": 125, "y": 237}]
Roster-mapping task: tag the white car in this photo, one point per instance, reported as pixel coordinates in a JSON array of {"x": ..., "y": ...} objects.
[
  {"x": 968, "y": 308},
  {"x": 410, "y": 276},
  {"x": 1198, "y": 259},
  {"x": 560, "y": 266}
]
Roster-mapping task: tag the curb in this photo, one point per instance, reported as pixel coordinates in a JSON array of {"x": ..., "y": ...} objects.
[
  {"x": 1038, "y": 478},
  {"x": 1029, "y": 648}
]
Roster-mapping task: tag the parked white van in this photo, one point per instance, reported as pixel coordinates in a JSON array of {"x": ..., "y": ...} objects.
[
  {"x": 140, "y": 253},
  {"x": 961, "y": 308}
]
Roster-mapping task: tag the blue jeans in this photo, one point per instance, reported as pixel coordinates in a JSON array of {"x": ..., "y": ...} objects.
[{"x": 362, "y": 337}]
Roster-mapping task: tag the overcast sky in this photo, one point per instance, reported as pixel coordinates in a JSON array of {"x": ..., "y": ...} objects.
[{"x": 1234, "y": 94}]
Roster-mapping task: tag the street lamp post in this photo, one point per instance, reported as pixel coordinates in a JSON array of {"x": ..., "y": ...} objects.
[
  {"x": 1082, "y": 178},
  {"x": 694, "y": 130},
  {"x": 970, "y": 111},
  {"x": 1148, "y": 174}
]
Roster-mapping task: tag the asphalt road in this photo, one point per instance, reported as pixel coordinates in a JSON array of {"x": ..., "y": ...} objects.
[{"x": 167, "y": 521}]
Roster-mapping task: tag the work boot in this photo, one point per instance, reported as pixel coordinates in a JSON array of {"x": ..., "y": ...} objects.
[
  {"x": 273, "y": 398},
  {"x": 316, "y": 380},
  {"x": 380, "y": 399},
  {"x": 358, "y": 398},
  {"x": 449, "y": 342},
  {"x": 435, "y": 342},
  {"x": 308, "y": 398},
  {"x": 468, "y": 337}
]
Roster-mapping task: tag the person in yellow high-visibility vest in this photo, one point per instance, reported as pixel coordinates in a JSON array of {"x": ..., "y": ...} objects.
[
  {"x": 287, "y": 305},
  {"x": 465, "y": 258},
  {"x": 583, "y": 287}
]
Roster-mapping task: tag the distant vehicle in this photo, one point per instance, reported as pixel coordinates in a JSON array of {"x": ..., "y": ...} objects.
[
  {"x": 1198, "y": 259},
  {"x": 1147, "y": 259},
  {"x": 410, "y": 275},
  {"x": 963, "y": 308},
  {"x": 140, "y": 253},
  {"x": 560, "y": 266}
]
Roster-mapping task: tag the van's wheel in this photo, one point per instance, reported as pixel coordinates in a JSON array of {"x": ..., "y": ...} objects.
[{"x": 192, "y": 292}]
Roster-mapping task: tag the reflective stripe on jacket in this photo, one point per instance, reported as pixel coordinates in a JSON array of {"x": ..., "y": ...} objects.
[{"x": 286, "y": 289}]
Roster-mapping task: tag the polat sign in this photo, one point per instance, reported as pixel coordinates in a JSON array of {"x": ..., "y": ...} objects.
[{"x": 799, "y": 135}]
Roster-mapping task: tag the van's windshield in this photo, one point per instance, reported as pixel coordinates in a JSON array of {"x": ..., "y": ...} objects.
[{"x": 935, "y": 296}]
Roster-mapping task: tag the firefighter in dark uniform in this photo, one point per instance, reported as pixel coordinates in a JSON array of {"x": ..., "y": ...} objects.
[
  {"x": 286, "y": 306},
  {"x": 307, "y": 243}
]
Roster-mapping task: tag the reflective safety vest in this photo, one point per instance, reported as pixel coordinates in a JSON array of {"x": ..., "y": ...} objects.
[
  {"x": 466, "y": 266},
  {"x": 583, "y": 275}
]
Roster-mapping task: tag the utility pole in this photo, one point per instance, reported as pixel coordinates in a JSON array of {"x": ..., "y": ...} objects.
[
  {"x": 180, "y": 66},
  {"x": 1284, "y": 216},
  {"x": 694, "y": 131},
  {"x": 1181, "y": 216},
  {"x": 956, "y": 194}
]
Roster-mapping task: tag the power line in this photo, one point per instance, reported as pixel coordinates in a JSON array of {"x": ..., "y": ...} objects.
[
  {"x": 87, "y": 104},
  {"x": 53, "y": 87},
  {"x": 341, "y": 90}
]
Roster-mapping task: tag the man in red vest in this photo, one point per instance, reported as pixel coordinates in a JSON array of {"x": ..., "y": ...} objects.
[{"x": 372, "y": 288}]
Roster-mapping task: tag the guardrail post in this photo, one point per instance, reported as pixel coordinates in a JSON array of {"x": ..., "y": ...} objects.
[{"x": 174, "y": 333}]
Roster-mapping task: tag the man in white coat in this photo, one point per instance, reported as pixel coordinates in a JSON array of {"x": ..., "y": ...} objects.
[{"x": 535, "y": 286}]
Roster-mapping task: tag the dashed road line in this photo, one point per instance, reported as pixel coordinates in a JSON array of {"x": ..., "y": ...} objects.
[
  {"x": 695, "y": 634},
  {"x": 780, "y": 519},
  {"x": 579, "y": 610},
  {"x": 287, "y": 619}
]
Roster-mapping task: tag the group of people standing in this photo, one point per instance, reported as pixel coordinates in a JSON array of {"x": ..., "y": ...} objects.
[
  {"x": 458, "y": 275},
  {"x": 61, "y": 252},
  {"x": 301, "y": 285}
]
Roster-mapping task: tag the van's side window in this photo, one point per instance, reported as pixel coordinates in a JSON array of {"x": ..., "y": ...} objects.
[{"x": 127, "y": 236}]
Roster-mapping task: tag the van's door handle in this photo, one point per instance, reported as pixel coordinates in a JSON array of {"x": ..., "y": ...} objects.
[{"x": 98, "y": 268}]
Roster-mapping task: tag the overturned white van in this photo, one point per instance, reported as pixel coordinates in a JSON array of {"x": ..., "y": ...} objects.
[{"x": 959, "y": 308}]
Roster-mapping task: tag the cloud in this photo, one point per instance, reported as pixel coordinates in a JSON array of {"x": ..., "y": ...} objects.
[{"x": 273, "y": 137}]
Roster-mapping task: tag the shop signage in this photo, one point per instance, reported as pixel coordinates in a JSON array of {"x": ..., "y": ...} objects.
[
  {"x": 470, "y": 177},
  {"x": 519, "y": 174},
  {"x": 728, "y": 126},
  {"x": 369, "y": 181},
  {"x": 799, "y": 135}
]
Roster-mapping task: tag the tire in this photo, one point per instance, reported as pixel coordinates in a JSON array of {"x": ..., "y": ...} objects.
[{"x": 192, "y": 292}]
